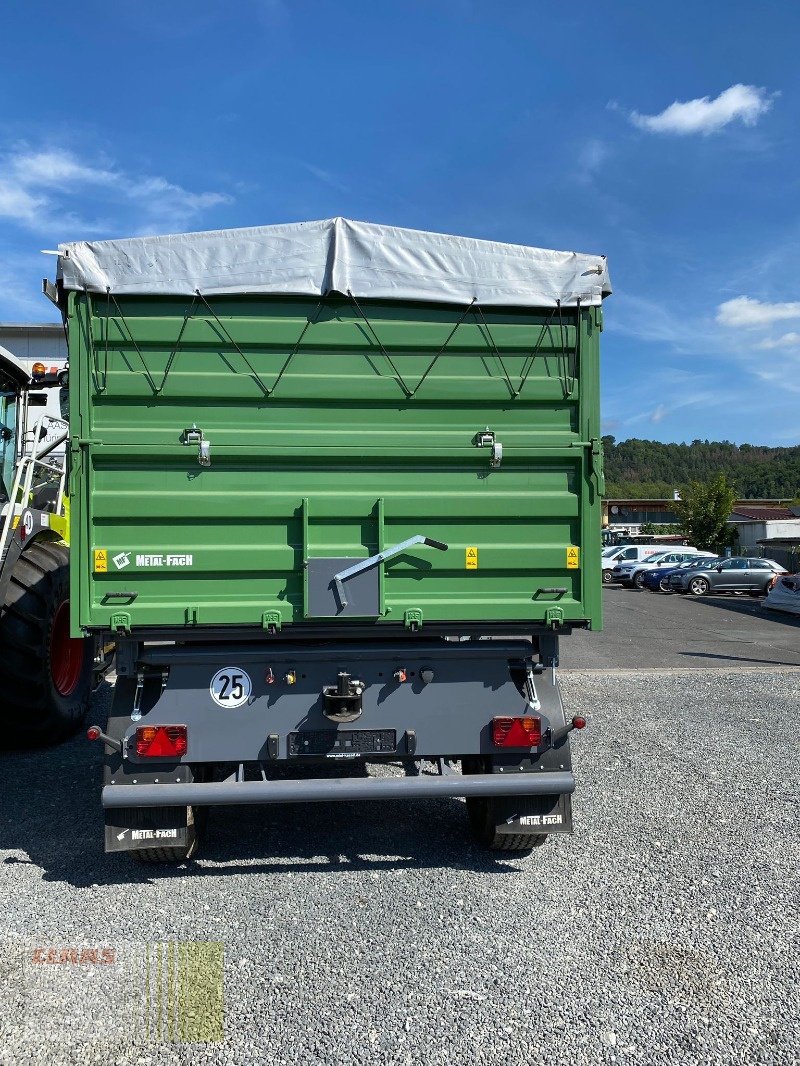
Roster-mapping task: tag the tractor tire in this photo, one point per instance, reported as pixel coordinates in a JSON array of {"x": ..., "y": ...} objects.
[{"x": 46, "y": 675}]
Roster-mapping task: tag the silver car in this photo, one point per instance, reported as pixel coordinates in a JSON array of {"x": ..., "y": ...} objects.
[{"x": 729, "y": 575}]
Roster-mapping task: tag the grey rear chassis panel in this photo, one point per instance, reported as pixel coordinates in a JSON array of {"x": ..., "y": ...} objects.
[{"x": 449, "y": 718}]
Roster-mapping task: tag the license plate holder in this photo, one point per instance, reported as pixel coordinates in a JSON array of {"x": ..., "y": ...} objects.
[{"x": 342, "y": 743}]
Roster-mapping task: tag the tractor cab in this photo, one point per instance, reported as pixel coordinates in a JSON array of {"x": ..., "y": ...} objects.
[
  {"x": 13, "y": 379},
  {"x": 47, "y": 680}
]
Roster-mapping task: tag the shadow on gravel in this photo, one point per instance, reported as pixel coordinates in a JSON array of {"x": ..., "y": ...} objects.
[{"x": 51, "y": 817}]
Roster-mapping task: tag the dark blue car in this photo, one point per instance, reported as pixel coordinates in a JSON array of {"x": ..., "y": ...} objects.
[{"x": 657, "y": 580}]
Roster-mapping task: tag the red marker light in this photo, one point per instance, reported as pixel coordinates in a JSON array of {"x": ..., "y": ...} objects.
[
  {"x": 93, "y": 732},
  {"x": 400, "y": 676},
  {"x": 578, "y": 722}
]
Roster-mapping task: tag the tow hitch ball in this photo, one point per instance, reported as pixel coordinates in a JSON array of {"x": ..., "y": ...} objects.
[{"x": 342, "y": 702}]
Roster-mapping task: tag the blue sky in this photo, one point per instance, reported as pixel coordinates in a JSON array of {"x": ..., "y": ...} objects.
[{"x": 665, "y": 137}]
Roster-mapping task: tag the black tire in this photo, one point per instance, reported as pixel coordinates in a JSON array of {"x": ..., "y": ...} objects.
[
  {"x": 45, "y": 695},
  {"x": 197, "y": 819},
  {"x": 664, "y": 584},
  {"x": 638, "y": 579},
  {"x": 606, "y": 577},
  {"x": 699, "y": 586},
  {"x": 483, "y": 822}
]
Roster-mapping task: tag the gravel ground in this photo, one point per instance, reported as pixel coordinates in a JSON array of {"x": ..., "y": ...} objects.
[{"x": 664, "y": 930}]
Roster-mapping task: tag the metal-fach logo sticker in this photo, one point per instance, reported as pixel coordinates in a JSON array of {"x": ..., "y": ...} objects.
[
  {"x": 231, "y": 687},
  {"x": 122, "y": 560}
]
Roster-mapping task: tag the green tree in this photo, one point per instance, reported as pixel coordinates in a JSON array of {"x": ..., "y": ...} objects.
[{"x": 704, "y": 512}]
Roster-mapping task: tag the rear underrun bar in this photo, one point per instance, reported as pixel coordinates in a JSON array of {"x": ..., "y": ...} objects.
[{"x": 325, "y": 790}]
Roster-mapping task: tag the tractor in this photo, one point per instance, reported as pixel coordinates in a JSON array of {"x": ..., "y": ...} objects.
[{"x": 46, "y": 676}]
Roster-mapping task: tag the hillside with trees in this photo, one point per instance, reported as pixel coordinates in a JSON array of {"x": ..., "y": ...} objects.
[{"x": 641, "y": 469}]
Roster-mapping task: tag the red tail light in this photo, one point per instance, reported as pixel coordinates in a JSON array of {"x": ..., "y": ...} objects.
[
  {"x": 161, "y": 740},
  {"x": 516, "y": 732}
]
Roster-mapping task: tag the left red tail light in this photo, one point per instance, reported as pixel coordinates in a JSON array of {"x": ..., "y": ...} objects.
[{"x": 161, "y": 740}]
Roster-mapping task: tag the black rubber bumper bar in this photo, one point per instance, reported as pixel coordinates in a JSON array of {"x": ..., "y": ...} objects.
[{"x": 327, "y": 790}]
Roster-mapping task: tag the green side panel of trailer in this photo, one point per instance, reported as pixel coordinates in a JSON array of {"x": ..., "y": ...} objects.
[{"x": 334, "y": 431}]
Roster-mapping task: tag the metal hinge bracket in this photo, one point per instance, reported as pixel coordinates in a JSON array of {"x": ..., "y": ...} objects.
[
  {"x": 195, "y": 436},
  {"x": 554, "y": 616},
  {"x": 412, "y": 619},
  {"x": 121, "y": 622},
  {"x": 487, "y": 439},
  {"x": 271, "y": 621}
]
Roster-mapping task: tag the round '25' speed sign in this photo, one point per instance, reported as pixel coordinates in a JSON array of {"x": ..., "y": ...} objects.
[{"x": 231, "y": 687}]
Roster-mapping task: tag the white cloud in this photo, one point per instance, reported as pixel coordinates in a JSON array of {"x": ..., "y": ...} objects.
[
  {"x": 56, "y": 168},
  {"x": 745, "y": 103},
  {"x": 746, "y": 311},
  {"x": 788, "y": 340},
  {"x": 591, "y": 156},
  {"x": 40, "y": 190}
]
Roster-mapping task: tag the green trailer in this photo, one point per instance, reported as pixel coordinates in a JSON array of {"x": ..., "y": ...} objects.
[{"x": 336, "y": 497}]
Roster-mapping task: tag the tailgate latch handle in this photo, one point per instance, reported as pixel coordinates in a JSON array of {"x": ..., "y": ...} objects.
[
  {"x": 387, "y": 553},
  {"x": 487, "y": 439},
  {"x": 195, "y": 436}
]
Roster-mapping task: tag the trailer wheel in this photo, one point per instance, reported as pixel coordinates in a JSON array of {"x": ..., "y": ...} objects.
[
  {"x": 46, "y": 674},
  {"x": 197, "y": 818},
  {"x": 482, "y": 811}
]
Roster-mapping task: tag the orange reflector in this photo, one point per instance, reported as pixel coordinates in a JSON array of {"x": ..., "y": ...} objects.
[
  {"x": 38, "y": 369},
  {"x": 161, "y": 740},
  {"x": 516, "y": 732}
]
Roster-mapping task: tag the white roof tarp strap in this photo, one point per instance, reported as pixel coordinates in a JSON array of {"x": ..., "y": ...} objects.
[{"x": 314, "y": 258}]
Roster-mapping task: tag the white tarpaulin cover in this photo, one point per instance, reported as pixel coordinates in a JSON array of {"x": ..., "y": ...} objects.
[
  {"x": 313, "y": 258},
  {"x": 785, "y": 595}
]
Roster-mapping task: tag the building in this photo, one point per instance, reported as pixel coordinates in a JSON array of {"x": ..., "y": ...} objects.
[
  {"x": 756, "y": 524},
  {"x": 42, "y": 342},
  {"x": 628, "y": 516}
]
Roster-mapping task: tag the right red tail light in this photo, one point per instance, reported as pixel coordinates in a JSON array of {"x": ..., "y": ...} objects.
[{"x": 516, "y": 732}]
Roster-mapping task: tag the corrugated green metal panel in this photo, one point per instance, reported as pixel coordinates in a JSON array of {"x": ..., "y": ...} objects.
[{"x": 330, "y": 436}]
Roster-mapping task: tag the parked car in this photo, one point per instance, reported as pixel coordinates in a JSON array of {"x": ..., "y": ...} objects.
[
  {"x": 657, "y": 577},
  {"x": 729, "y": 575},
  {"x": 633, "y": 573},
  {"x": 633, "y": 553}
]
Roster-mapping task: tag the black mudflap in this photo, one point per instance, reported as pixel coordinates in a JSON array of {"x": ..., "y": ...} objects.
[
  {"x": 132, "y": 828},
  {"x": 533, "y": 814}
]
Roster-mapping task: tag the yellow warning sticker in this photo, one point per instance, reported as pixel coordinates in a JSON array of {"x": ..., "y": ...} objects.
[
  {"x": 471, "y": 561},
  {"x": 100, "y": 561},
  {"x": 573, "y": 558}
]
